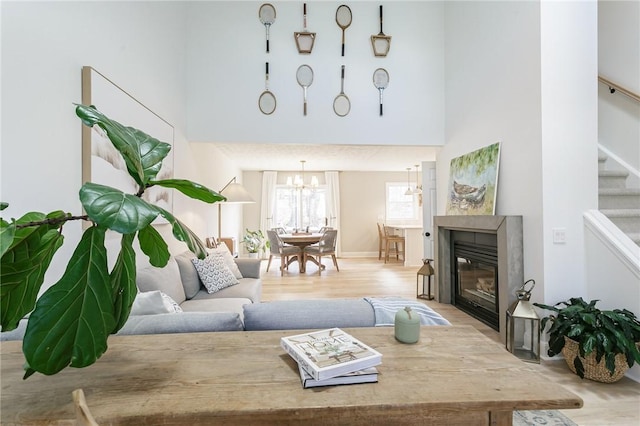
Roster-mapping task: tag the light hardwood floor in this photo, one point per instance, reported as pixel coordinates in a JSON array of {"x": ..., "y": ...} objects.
[{"x": 604, "y": 404}]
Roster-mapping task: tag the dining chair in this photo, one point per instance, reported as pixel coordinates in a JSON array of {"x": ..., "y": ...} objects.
[
  {"x": 325, "y": 247},
  {"x": 279, "y": 249},
  {"x": 392, "y": 243},
  {"x": 324, "y": 228},
  {"x": 280, "y": 230},
  {"x": 83, "y": 415}
]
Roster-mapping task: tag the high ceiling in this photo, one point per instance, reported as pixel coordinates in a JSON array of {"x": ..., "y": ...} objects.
[{"x": 252, "y": 156}]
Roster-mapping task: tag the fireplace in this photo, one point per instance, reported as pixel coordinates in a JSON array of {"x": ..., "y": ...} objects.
[
  {"x": 479, "y": 265},
  {"x": 475, "y": 275}
]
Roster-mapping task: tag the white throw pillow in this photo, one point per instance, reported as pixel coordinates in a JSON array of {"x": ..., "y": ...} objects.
[
  {"x": 214, "y": 273},
  {"x": 223, "y": 251},
  {"x": 154, "y": 302}
]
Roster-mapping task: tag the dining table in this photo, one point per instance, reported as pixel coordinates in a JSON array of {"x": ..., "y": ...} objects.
[{"x": 302, "y": 240}]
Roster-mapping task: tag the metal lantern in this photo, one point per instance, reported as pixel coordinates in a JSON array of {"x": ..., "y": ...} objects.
[
  {"x": 523, "y": 326},
  {"x": 427, "y": 272}
]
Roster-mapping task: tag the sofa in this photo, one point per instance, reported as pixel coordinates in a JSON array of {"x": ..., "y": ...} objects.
[{"x": 178, "y": 302}]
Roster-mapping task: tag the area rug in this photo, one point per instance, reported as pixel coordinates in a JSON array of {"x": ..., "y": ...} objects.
[{"x": 541, "y": 417}]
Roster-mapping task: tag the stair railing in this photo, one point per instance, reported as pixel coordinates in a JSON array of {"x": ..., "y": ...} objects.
[{"x": 613, "y": 88}]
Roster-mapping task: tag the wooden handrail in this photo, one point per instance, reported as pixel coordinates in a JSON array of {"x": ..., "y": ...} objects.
[{"x": 613, "y": 87}]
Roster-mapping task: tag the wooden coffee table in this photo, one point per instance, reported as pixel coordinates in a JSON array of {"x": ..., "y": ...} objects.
[{"x": 453, "y": 375}]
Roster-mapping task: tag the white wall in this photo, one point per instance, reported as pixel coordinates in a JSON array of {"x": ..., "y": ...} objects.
[
  {"x": 499, "y": 89},
  {"x": 44, "y": 46},
  {"x": 226, "y": 54},
  {"x": 493, "y": 94}
]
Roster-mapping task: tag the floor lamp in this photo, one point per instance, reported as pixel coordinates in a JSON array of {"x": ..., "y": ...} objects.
[{"x": 234, "y": 193}]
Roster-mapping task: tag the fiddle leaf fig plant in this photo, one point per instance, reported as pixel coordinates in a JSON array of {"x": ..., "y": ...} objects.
[{"x": 70, "y": 323}]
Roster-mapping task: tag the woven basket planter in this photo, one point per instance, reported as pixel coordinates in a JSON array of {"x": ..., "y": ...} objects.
[{"x": 592, "y": 369}]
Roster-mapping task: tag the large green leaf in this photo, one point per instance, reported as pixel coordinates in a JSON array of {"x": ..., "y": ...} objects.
[
  {"x": 154, "y": 246},
  {"x": 123, "y": 281},
  {"x": 183, "y": 233},
  {"x": 142, "y": 153},
  {"x": 23, "y": 266},
  {"x": 116, "y": 210},
  {"x": 191, "y": 189},
  {"x": 74, "y": 317}
]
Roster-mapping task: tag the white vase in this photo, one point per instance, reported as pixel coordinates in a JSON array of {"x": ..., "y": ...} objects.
[{"x": 253, "y": 255}]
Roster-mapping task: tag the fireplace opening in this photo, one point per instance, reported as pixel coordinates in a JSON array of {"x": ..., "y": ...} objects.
[{"x": 474, "y": 272}]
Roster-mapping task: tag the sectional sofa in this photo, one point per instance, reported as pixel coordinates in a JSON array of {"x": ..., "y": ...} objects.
[{"x": 174, "y": 299}]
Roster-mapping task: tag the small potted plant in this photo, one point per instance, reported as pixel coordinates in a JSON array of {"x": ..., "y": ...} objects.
[
  {"x": 598, "y": 345},
  {"x": 255, "y": 242}
]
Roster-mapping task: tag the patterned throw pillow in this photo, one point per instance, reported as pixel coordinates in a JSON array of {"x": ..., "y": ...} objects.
[
  {"x": 154, "y": 302},
  {"x": 214, "y": 273}
]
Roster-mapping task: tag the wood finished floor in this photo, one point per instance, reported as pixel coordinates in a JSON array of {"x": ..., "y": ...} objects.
[{"x": 604, "y": 404}]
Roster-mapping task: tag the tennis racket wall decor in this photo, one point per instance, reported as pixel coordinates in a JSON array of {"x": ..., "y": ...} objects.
[
  {"x": 267, "y": 15},
  {"x": 304, "y": 39},
  {"x": 381, "y": 82},
  {"x": 343, "y": 19},
  {"x": 381, "y": 43},
  {"x": 304, "y": 75},
  {"x": 341, "y": 104},
  {"x": 267, "y": 100}
]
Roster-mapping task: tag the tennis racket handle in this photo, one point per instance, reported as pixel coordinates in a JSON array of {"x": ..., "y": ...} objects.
[
  {"x": 305, "y": 108},
  {"x": 267, "y": 45},
  {"x": 342, "y": 48},
  {"x": 381, "y": 109}
]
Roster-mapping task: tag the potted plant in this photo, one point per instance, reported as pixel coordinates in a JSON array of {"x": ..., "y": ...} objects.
[
  {"x": 255, "y": 242},
  {"x": 70, "y": 322},
  {"x": 598, "y": 345}
]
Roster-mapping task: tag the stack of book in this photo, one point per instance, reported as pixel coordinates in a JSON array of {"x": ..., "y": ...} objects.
[{"x": 332, "y": 357}]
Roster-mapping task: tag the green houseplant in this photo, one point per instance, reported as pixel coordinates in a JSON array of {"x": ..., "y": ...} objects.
[
  {"x": 70, "y": 323},
  {"x": 254, "y": 241},
  {"x": 587, "y": 336}
]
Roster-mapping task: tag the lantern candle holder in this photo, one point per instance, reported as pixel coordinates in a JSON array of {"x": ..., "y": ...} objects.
[
  {"x": 427, "y": 272},
  {"x": 523, "y": 326}
]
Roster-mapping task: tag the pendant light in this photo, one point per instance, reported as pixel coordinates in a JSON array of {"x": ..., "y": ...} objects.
[{"x": 408, "y": 191}]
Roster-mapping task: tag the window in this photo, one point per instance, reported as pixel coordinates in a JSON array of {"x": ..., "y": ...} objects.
[
  {"x": 401, "y": 208},
  {"x": 300, "y": 208}
]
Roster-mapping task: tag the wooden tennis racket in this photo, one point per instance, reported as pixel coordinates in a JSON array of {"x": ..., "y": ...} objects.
[
  {"x": 267, "y": 100},
  {"x": 343, "y": 19}
]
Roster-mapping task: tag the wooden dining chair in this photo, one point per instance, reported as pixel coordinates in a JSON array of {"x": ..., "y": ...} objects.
[
  {"x": 325, "y": 247},
  {"x": 83, "y": 415},
  {"x": 393, "y": 243},
  {"x": 279, "y": 249}
]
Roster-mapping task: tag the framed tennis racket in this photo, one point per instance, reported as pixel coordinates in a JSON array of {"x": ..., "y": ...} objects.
[
  {"x": 381, "y": 43},
  {"x": 267, "y": 100},
  {"x": 381, "y": 82},
  {"x": 343, "y": 19},
  {"x": 304, "y": 75},
  {"x": 341, "y": 104},
  {"x": 267, "y": 15},
  {"x": 304, "y": 39}
]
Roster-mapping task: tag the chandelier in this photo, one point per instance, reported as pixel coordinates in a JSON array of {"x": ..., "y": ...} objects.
[{"x": 298, "y": 181}]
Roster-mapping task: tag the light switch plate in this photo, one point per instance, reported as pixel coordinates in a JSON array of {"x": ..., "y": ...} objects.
[{"x": 559, "y": 235}]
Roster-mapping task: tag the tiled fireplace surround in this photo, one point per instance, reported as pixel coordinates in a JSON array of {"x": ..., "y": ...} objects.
[{"x": 508, "y": 230}]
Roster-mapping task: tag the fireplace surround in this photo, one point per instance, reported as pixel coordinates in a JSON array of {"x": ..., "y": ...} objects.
[{"x": 506, "y": 231}]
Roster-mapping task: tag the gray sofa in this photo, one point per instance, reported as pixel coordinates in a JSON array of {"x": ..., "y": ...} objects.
[{"x": 238, "y": 307}]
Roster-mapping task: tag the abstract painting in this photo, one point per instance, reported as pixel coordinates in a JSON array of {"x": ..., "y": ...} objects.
[
  {"x": 101, "y": 162},
  {"x": 473, "y": 182}
]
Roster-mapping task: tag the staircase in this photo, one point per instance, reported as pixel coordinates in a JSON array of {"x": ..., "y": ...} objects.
[{"x": 618, "y": 202}]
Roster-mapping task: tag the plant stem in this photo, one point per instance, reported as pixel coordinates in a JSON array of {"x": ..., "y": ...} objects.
[{"x": 51, "y": 221}]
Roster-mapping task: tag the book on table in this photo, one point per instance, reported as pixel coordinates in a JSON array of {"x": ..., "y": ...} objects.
[
  {"x": 329, "y": 353},
  {"x": 368, "y": 375}
]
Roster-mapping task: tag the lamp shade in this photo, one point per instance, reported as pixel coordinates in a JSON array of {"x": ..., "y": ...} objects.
[{"x": 236, "y": 193}]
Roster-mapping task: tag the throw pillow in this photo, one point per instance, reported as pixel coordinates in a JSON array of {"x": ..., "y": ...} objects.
[
  {"x": 154, "y": 302},
  {"x": 223, "y": 251},
  {"x": 214, "y": 273}
]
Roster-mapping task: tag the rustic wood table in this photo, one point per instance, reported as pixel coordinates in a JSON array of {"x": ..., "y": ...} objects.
[
  {"x": 302, "y": 241},
  {"x": 453, "y": 375}
]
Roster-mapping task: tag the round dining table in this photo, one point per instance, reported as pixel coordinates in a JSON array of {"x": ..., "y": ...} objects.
[{"x": 302, "y": 240}]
